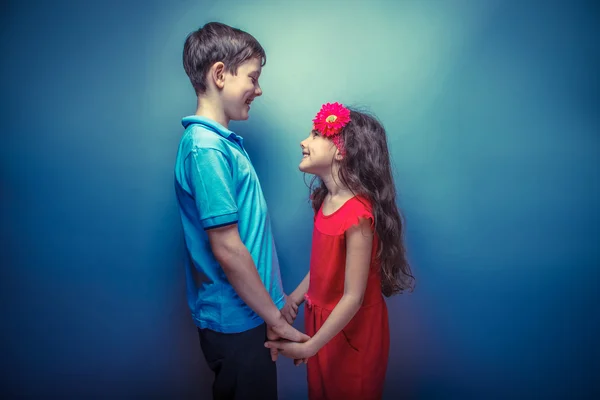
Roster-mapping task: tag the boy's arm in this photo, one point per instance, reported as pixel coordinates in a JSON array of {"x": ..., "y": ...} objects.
[
  {"x": 237, "y": 263},
  {"x": 209, "y": 175}
]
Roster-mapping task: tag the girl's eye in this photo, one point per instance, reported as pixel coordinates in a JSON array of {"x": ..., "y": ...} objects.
[{"x": 315, "y": 134}]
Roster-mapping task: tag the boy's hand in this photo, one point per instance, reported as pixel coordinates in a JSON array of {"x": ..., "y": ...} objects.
[
  {"x": 283, "y": 330},
  {"x": 289, "y": 310},
  {"x": 271, "y": 335}
]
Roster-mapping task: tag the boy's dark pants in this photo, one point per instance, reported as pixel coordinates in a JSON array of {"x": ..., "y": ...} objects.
[{"x": 241, "y": 363}]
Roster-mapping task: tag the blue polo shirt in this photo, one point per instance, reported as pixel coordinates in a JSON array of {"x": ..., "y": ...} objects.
[{"x": 216, "y": 185}]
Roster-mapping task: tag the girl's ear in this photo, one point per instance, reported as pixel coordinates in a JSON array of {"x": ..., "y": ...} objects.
[{"x": 338, "y": 155}]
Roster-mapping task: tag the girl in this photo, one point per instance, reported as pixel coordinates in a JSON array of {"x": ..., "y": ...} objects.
[{"x": 357, "y": 255}]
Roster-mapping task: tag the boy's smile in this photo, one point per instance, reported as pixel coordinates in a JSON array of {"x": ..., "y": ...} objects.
[{"x": 241, "y": 89}]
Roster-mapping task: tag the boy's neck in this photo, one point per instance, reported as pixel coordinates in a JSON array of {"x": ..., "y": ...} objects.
[{"x": 209, "y": 109}]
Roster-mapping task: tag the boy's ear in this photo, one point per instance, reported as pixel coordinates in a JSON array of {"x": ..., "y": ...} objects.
[{"x": 217, "y": 74}]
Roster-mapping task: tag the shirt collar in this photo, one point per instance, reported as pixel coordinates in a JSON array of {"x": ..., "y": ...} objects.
[{"x": 212, "y": 125}]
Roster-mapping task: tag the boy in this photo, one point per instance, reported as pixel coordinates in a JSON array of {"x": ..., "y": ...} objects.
[{"x": 233, "y": 282}]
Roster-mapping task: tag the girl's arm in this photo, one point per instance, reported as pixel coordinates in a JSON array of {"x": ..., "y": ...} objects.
[
  {"x": 297, "y": 295},
  {"x": 293, "y": 301},
  {"x": 359, "y": 243}
]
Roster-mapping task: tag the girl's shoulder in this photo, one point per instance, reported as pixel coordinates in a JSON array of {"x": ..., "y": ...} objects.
[
  {"x": 360, "y": 203},
  {"x": 348, "y": 215},
  {"x": 359, "y": 208}
]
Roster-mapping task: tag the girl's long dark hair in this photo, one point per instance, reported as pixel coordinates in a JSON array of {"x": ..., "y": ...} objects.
[{"x": 366, "y": 170}]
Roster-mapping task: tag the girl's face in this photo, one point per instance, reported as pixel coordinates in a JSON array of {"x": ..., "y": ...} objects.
[{"x": 318, "y": 154}]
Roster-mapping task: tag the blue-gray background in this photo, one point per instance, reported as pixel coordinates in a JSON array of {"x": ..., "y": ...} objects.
[{"x": 492, "y": 113}]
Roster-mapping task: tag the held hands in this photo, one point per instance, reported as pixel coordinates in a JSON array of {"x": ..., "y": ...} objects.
[
  {"x": 283, "y": 334},
  {"x": 282, "y": 330},
  {"x": 299, "y": 351}
]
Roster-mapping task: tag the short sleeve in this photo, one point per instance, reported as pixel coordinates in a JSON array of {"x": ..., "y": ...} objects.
[
  {"x": 361, "y": 209},
  {"x": 210, "y": 178}
]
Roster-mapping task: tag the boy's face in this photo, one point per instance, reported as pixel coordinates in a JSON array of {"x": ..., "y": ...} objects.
[{"x": 240, "y": 89}]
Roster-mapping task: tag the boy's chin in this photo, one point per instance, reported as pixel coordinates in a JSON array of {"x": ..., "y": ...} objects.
[
  {"x": 244, "y": 116},
  {"x": 241, "y": 116}
]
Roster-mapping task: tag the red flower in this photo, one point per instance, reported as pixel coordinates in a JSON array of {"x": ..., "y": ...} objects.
[{"x": 331, "y": 119}]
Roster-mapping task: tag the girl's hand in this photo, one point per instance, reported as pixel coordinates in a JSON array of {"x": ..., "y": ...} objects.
[
  {"x": 289, "y": 310},
  {"x": 298, "y": 362},
  {"x": 293, "y": 350}
]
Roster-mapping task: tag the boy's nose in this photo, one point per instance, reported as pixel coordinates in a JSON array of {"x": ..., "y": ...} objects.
[{"x": 258, "y": 91}]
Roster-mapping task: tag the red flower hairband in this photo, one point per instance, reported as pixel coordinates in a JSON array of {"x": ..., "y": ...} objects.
[{"x": 330, "y": 121}]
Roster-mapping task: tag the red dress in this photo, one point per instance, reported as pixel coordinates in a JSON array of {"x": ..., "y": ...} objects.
[{"x": 353, "y": 364}]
